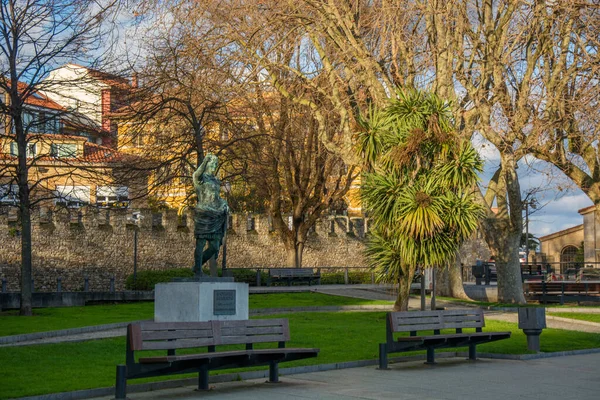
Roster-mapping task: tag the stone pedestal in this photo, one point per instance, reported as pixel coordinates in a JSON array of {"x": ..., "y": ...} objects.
[{"x": 200, "y": 301}]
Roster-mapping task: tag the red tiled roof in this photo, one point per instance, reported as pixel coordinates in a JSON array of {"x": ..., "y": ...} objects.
[
  {"x": 92, "y": 153},
  {"x": 96, "y": 153},
  {"x": 38, "y": 99}
]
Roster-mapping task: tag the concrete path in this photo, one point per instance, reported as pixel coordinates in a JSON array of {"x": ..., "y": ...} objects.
[{"x": 557, "y": 378}]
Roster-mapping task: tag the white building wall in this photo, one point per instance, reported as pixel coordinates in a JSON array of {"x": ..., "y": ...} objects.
[{"x": 73, "y": 88}]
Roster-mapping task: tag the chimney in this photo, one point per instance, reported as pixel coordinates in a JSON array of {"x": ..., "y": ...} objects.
[
  {"x": 106, "y": 109},
  {"x": 134, "y": 80}
]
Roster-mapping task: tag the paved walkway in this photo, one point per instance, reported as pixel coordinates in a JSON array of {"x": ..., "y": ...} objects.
[{"x": 557, "y": 378}]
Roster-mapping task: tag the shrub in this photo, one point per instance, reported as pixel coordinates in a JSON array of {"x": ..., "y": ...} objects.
[
  {"x": 337, "y": 278},
  {"x": 146, "y": 280}
]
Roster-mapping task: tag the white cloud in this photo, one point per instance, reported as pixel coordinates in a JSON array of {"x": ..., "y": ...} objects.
[{"x": 558, "y": 214}]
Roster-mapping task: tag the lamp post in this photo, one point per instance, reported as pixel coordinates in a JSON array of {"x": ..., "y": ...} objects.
[
  {"x": 136, "y": 217},
  {"x": 533, "y": 204}
]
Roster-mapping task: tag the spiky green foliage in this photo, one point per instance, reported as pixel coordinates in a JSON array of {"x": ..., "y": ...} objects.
[{"x": 419, "y": 190}]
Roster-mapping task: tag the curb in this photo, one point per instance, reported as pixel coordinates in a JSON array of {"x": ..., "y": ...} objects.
[
  {"x": 62, "y": 332},
  {"x": 146, "y": 387}
]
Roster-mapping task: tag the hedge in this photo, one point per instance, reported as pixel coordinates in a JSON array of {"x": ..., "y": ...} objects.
[{"x": 146, "y": 280}]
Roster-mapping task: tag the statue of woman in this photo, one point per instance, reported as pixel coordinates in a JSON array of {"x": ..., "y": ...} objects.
[{"x": 210, "y": 219}]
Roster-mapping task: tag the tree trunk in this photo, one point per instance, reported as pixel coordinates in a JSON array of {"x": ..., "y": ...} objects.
[
  {"x": 442, "y": 282},
  {"x": 294, "y": 255},
  {"x": 401, "y": 303},
  {"x": 25, "y": 215},
  {"x": 455, "y": 281},
  {"x": 508, "y": 268}
]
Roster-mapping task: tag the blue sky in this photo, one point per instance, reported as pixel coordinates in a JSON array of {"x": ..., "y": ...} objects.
[{"x": 559, "y": 198}]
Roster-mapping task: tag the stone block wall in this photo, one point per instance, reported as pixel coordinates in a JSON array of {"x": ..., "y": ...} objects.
[{"x": 99, "y": 245}]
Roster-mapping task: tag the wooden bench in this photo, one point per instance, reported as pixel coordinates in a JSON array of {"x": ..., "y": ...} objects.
[
  {"x": 417, "y": 321},
  {"x": 561, "y": 291},
  {"x": 290, "y": 275},
  {"x": 173, "y": 336}
]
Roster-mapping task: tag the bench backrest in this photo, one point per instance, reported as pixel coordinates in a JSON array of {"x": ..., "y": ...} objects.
[
  {"x": 291, "y": 272},
  {"x": 414, "y": 321},
  {"x": 567, "y": 286},
  {"x": 181, "y": 335}
]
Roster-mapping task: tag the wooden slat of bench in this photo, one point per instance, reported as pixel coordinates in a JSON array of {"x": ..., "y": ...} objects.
[
  {"x": 178, "y": 344},
  {"x": 184, "y": 334},
  {"x": 224, "y": 354},
  {"x": 180, "y": 326},
  {"x": 251, "y": 339},
  {"x": 197, "y": 356},
  {"x": 255, "y": 331},
  {"x": 452, "y": 336},
  {"x": 433, "y": 320},
  {"x": 255, "y": 322}
]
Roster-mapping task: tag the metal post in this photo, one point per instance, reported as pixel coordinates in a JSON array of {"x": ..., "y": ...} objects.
[
  {"x": 59, "y": 284},
  {"x": 273, "y": 372},
  {"x": 121, "y": 384},
  {"x": 203, "y": 378},
  {"x": 526, "y": 232},
  {"x": 224, "y": 259},
  {"x": 112, "y": 284},
  {"x": 346, "y": 280},
  {"x": 86, "y": 284},
  {"x": 383, "y": 358},
  {"x": 423, "y": 290},
  {"x": 135, "y": 256},
  {"x": 4, "y": 285},
  {"x": 432, "y": 290},
  {"x": 258, "y": 277}
]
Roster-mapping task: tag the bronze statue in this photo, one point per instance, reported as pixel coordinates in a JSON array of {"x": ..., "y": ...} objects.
[{"x": 210, "y": 221}]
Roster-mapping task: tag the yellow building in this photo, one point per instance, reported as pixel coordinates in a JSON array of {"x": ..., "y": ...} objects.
[{"x": 68, "y": 165}]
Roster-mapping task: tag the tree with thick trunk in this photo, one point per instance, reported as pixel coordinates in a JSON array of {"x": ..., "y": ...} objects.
[{"x": 35, "y": 37}]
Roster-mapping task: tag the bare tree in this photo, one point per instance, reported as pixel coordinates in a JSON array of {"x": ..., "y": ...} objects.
[
  {"x": 179, "y": 106},
  {"x": 36, "y": 36},
  {"x": 281, "y": 156}
]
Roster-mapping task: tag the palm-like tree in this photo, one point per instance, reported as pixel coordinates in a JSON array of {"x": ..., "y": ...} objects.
[{"x": 419, "y": 188}]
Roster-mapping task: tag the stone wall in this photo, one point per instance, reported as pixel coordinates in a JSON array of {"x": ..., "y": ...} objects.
[{"x": 99, "y": 245}]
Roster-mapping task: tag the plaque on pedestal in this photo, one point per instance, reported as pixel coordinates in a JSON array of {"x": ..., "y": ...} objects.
[{"x": 200, "y": 301}]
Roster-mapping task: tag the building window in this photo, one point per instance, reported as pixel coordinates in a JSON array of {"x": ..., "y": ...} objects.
[
  {"x": 9, "y": 194},
  {"x": 568, "y": 256},
  {"x": 40, "y": 122},
  {"x": 112, "y": 196},
  {"x": 63, "y": 150},
  {"x": 72, "y": 196},
  {"x": 31, "y": 149}
]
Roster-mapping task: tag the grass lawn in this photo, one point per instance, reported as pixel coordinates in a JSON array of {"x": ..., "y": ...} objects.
[
  {"x": 580, "y": 316},
  {"x": 50, "y": 319},
  {"x": 341, "y": 336}
]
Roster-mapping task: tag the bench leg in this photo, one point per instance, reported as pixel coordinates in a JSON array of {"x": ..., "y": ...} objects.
[
  {"x": 203, "y": 378},
  {"x": 121, "y": 384},
  {"x": 430, "y": 356},
  {"x": 273, "y": 372},
  {"x": 383, "y": 358},
  {"x": 472, "y": 352}
]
